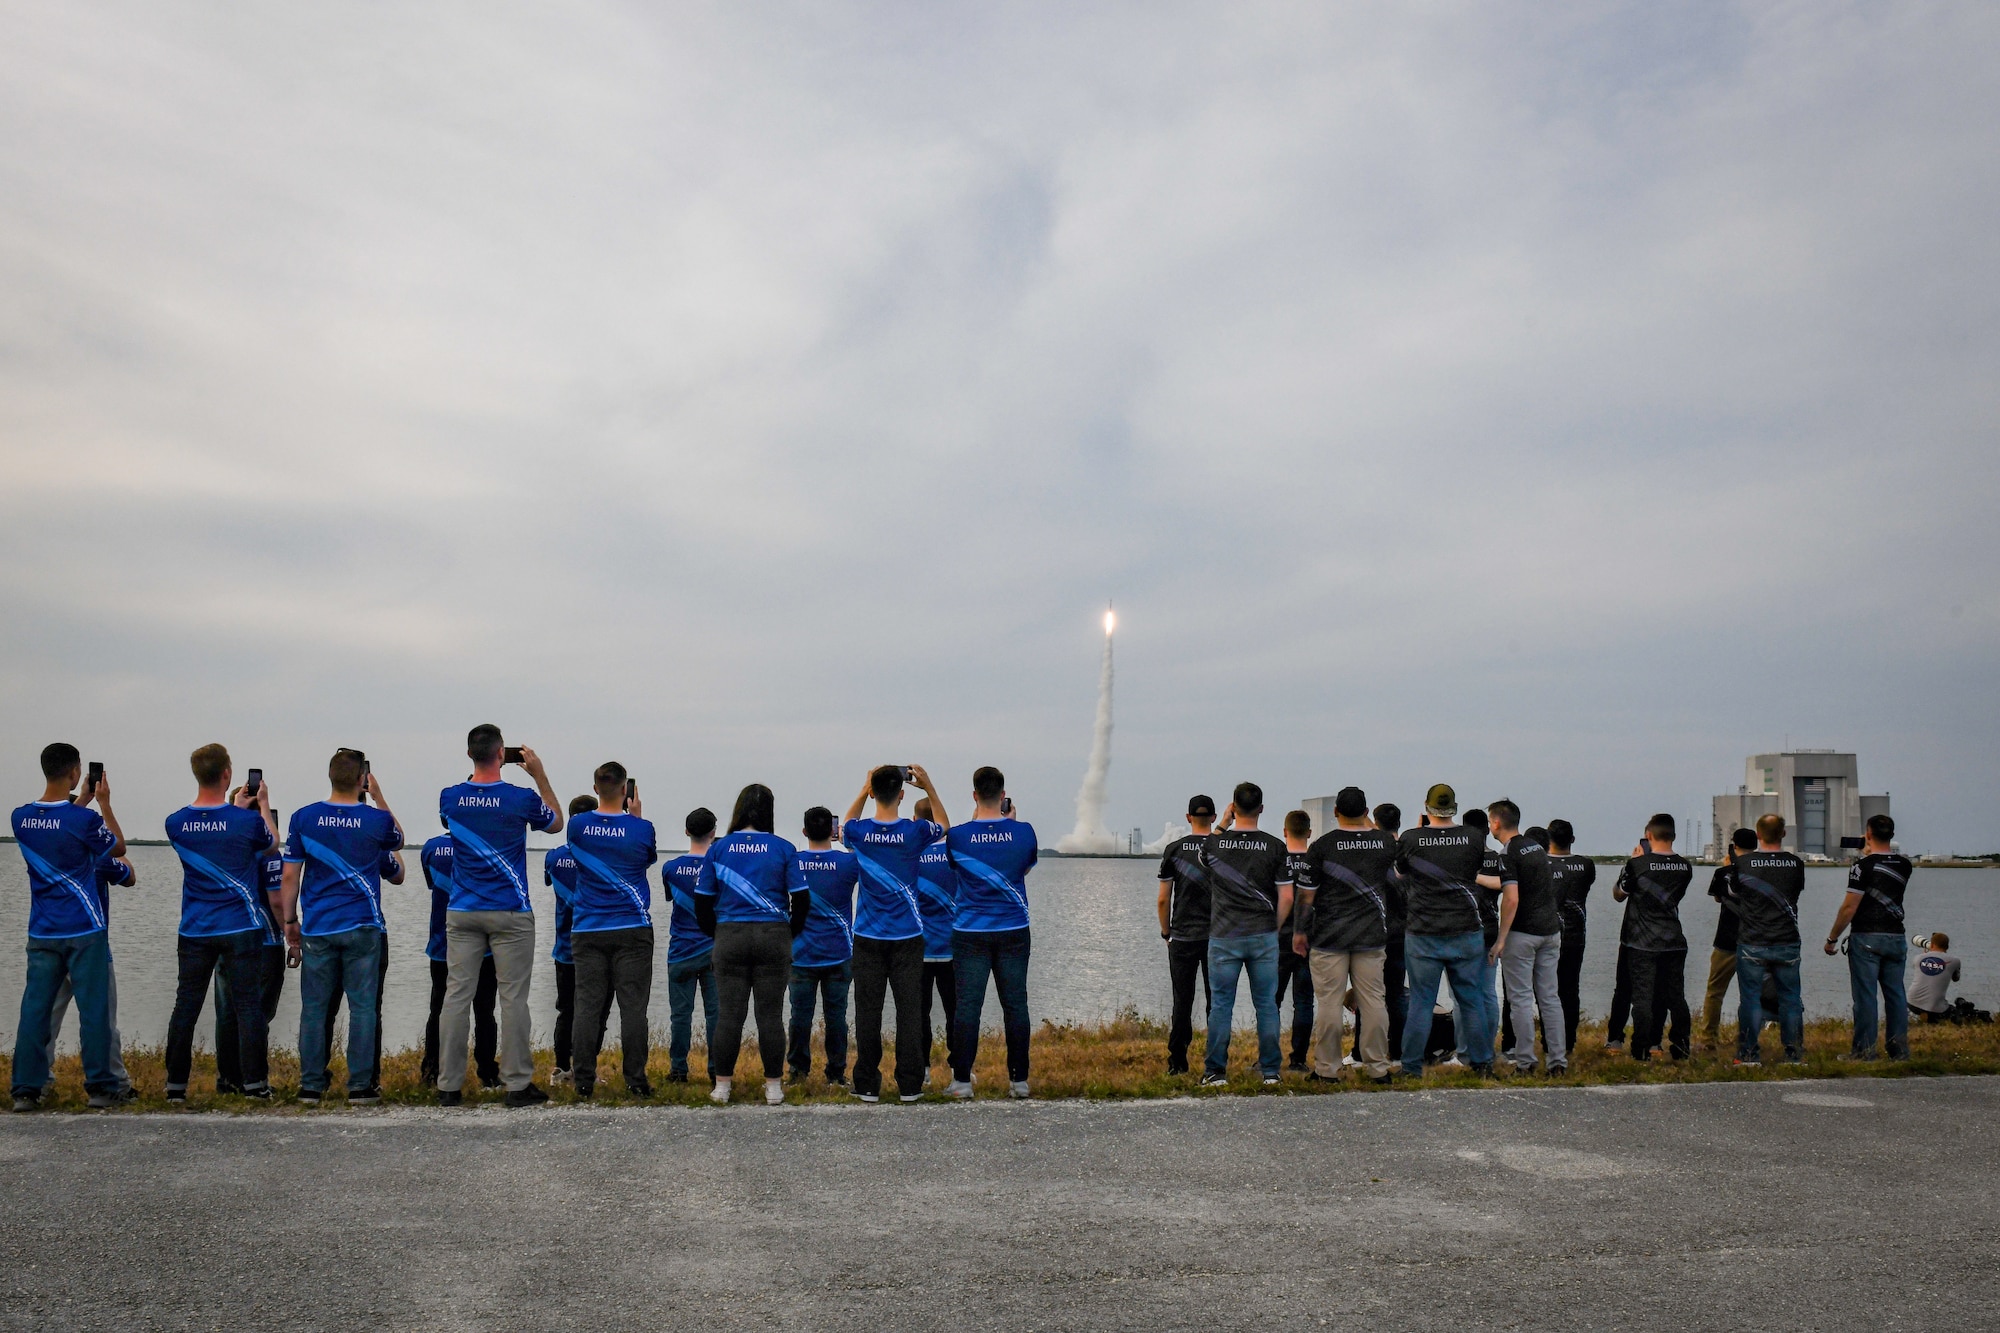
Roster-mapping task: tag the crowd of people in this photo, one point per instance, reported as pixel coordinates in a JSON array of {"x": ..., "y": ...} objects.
[{"x": 1367, "y": 916}]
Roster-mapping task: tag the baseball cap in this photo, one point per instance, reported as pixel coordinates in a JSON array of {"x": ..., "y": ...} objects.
[
  {"x": 1203, "y": 806},
  {"x": 1441, "y": 800}
]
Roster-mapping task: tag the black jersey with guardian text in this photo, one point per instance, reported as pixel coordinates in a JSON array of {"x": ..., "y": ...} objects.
[
  {"x": 1765, "y": 887},
  {"x": 1489, "y": 899},
  {"x": 1348, "y": 871},
  {"x": 1654, "y": 884},
  {"x": 1187, "y": 900},
  {"x": 1439, "y": 867},
  {"x": 1245, "y": 868},
  {"x": 1880, "y": 880},
  {"x": 1571, "y": 877},
  {"x": 1725, "y": 919},
  {"x": 1525, "y": 864}
]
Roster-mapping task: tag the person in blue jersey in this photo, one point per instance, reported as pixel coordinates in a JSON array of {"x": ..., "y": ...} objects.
[
  {"x": 823, "y": 953},
  {"x": 220, "y": 840},
  {"x": 559, "y": 874},
  {"x": 115, "y": 873},
  {"x": 889, "y": 927},
  {"x": 752, "y": 896},
  {"x": 434, "y": 860},
  {"x": 937, "y": 894},
  {"x": 390, "y": 870},
  {"x": 991, "y": 857},
  {"x": 333, "y": 914},
  {"x": 271, "y": 988},
  {"x": 611, "y": 931},
  {"x": 65, "y": 844},
  {"x": 690, "y": 948},
  {"x": 491, "y": 911}
]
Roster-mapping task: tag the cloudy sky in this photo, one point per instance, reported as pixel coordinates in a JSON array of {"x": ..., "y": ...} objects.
[{"x": 1563, "y": 402}]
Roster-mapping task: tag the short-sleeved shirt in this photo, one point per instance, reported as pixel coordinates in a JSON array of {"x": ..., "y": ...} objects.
[
  {"x": 1489, "y": 899},
  {"x": 1725, "y": 920},
  {"x": 435, "y": 861},
  {"x": 220, "y": 847},
  {"x": 889, "y": 908},
  {"x": 559, "y": 873},
  {"x": 1654, "y": 884},
  {"x": 828, "y": 939},
  {"x": 1935, "y": 973},
  {"x": 1571, "y": 877},
  {"x": 64, "y": 845},
  {"x": 489, "y": 823},
  {"x": 614, "y": 851},
  {"x": 1187, "y": 900},
  {"x": 1765, "y": 887},
  {"x": 937, "y": 896},
  {"x": 752, "y": 877},
  {"x": 1525, "y": 865},
  {"x": 339, "y": 848},
  {"x": 1348, "y": 871},
  {"x": 1440, "y": 868},
  {"x": 1245, "y": 868},
  {"x": 1880, "y": 879},
  {"x": 108, "y": 874},
  {"x": 992, "y": 858},
  {"x": 685, "y": 937}
]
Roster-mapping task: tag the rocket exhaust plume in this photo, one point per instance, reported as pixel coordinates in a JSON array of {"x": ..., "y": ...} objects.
[{"x": 1090, "y": 834}]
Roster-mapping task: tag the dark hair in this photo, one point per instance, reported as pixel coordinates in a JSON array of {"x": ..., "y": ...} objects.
[
  {"x": 1743, "y": 840},
  {"x": 819, "y": 823},
  {"x": 1562, "y": 833},
  {"x": 582, "y": 804},
  {"x": 1539, "y": 836},
  {"x": 988, "y": 783},
  {"x": 1249, "y": 798},
  {"x": 1351, "y": 803},
  {"x": 609, "y": 778},
  {"x": 344, "y": 769},
  {"x": 886, "y": 782},
  {"x": 700, "y": 822},
  {"x": 1389, "y": 818},
  {"x": 60, "y": 760},
  {"x": 754, "y": 810},
  {"x": 209, "y": 763},
  {"x": 1883, "y": 827},
  {"x": 1298, "y": 824},
  {"x": 1505, "y": 813},
  {"x": 483, "y": 744},
  {"x": 1662, "y": 826},
  {"x": 1476, "y": 818}
]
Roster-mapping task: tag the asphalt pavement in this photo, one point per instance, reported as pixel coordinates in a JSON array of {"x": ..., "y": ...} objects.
[{"x": 1853, "y": 1204}]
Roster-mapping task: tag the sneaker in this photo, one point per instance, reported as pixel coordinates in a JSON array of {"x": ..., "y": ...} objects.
[
  {"x": 719, "y": 1094},
  {"x": 1453, "y": 1063},
  {"x": 258, "y": 1094},
  {"x": 1214, "y": 1081},
  {"x": 1019, "y": 1091},
  {"x": 774, "y": 1092},
  {"x": 313, "y": 1096},
  {"x": 1297, "y": 1066},
  {"x": 640, "y": 1089},
  {"x": 1272, "y": 1080},
  {"x": 104, "y": 1101},
  {"x": 1349, "y": 1062},
  {"x": 368, "y": 1096},
  {"x": 1797, "y": 1061},
  {"x": 450, "y": 1098},
  {"x": 678, "y": 1076},
  {"x": 837, "y": 1081},
  {"x": 1383, "y": 1081},
  {"x": 1741, "y": 1063},
  {"x": 28, "y": 1101},
  {"x": 959, "y": 1090},
  {"x": 586, "y": 1091},
  {"x": 177, "y": 1094},
  {"x": 1175, "y": 1069},
  {"x": 560, "y": 1078},
  {"x": 1614, "y": 1048},
  {"x": 909, "y": 1097},
  {"x": 870, "y": 1097},
  {"x": 228, "y": 1089},
  {"x": 528, "y": 1096},
  {"x": 1557, "y": 1071},
  {"x": 1485, "y": 1070}
]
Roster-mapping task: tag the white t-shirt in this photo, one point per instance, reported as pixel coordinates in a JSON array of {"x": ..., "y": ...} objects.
[{"x": 1935, "y": 973}]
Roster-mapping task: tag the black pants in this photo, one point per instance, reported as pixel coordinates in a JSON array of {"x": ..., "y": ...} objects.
[
  {"x": 941, "y": 982},
  {"x": 1395, "y": 994},
  {"x": 1621, "y": 999},
  {"x": 1659, "y": 991},
  {"x": 228, "y": 1035},
  {"x": 1296, "y": 972},
  {"x": 887, "y": 967},
  {"x": 243, "y": 954},
  {"x": 753, "y": 969},
  {"x": 608, "y": 963},
  {"x": 1569, "y": 970},
  {"x": 1003, "y": 956},
  {"x": 1184, "y": 959},
  {"x": 485, "y": 1031}
]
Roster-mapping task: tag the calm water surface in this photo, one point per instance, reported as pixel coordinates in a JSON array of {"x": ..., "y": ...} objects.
[{"x": 1097, "y": 947}]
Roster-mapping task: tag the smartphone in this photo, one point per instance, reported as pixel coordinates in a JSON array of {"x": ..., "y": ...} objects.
[
  {"x": 96, "y": 776},
  {"x": 512, "y": 755},
  {"x": 905, "y": 772},
  {"x": 1007, "y": 806},
  {"x": 1854, "y": 842},
  {"x": 631, "y": 788},
  {"x": 254, "y": 783}
]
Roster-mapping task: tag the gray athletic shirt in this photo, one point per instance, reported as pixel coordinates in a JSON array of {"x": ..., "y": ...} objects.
[{"x": 1934, "y": 974}]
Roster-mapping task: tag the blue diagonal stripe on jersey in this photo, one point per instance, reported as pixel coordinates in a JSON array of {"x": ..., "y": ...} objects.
[
  {"x": 597, "y": 867},
  {"x": 988, "y": 875},
  {"x": 324, "y": 854},
  {"x": 479, "y": 848},
  {"x": 85, "y": 894},
  {"x": 744, "y": 888},
  {"x": 886, "y": 880},
  {"x": 215, "y": 872}
]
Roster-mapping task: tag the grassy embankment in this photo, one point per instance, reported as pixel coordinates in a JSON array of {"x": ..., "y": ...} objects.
[{"x": 1124, "y": 1058}]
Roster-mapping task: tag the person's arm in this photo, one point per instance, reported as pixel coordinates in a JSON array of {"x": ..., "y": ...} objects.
[
  {"x": 533, "y": 763},
  {"x": 1302, "y": 916},
  {"x": 1843, "y": 919},
  {"x": 374, "y": 786},
  {"x": 923, "y": 781},
  {"x": 704, "y": 912},
  {"x": 1619, "y": 893},
  {"x": 101, "y": 794},
  {"x": 1166, "y": 898},
  {"x": 861, "y": 801},
  {"x": 801, "y": 905},
  {"x": 288, "y": 910},
  {"x": 1510, "y": 903},
  {"x": 1490, "y": 882},
  {"x": 1284, "y": 902},
  {"x": 395, "y": 874}
]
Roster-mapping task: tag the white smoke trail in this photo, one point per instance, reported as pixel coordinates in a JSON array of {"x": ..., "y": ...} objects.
[{"x": 1090, "y": 835}]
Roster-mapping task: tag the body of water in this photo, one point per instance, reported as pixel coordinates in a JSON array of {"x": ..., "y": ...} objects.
[{"x": 1097, "y": 946}]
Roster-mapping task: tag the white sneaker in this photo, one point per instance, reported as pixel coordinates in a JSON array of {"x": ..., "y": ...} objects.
[
  {"x": 959, "y": 1090},
  {"x": 774, "y": 1092},
  {"x": 719, "y": 1094},
  {"x": 1453, "y": 1063},
  {"x": 869, "y": 1096},
  {"x": 559, "y": 1078},
  {"x": 1018, "y": 1090},
  {"x": 1349, "y": 1062},
  {"x": 927, "y": 1080},
  {"x": 911, "y": 1096}
]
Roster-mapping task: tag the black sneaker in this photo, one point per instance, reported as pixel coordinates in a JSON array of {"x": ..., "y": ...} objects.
[
  {"x": 228, "y": 1089},
  {"x": 1383, "y": 1081},
  {"x": 447, "y": 1097},
  {"x": 177, "y": 1094},
  {"x": 640, "y": 1089},
  {"x": 258, "y": 1094},
  {"x": 104, "y": 1101},
  {"x": 1175, "y": 1069},
  {"x": 368, "y": 1096},
  {"x": 311, "y": 1096},
  {"x": 528, "y": 1096},
  {"x": 1214, "y": 1081},
  {"x": 1297, "y": 1066},
  {"x": 836, "y": 1080},
  {"x": 586, "y": 1091},
  {"x": 28, "y": 1099},
  {"x": 678, "y": 1076}
]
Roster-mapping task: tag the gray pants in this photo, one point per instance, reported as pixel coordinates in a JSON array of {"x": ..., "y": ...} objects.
[
  {"x": 1528, "y": 967},
  {"x": 59, "y": 1010},
  {"x": 467, "y": 937}
]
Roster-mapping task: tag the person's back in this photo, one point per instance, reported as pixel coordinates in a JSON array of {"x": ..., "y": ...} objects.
[
  {"x": 1439, "y": 864},
  {"x": 1722, "y": 949},
  {"x": 1876, "y": 948},
  {"x": 751, "y": 887},
  {"x": 434, "y": 860},
  {"x": 611, "y": 928},
  {"x": 990, "y": 857},
  {"x": 690, "y": 947},
  {"x": 1249, "y": 893},
  {"x": 1764, "y": 888},
  {"x": 1342, "y": 886},
  {"x": 1936, "y": 969},
  {"x": 1766, "y": 885},
  {"x": 823, "y": 952},
  {"x": 1531, "y": 942},
  {"x": 937, "y": 899},
  {"x": 1184, "y": 912},
  {"x": 1652, "y": 884},
  {"x": 1571, "y": 878}
]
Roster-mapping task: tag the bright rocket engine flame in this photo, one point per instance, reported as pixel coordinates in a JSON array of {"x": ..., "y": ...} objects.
[{"x": 1110, "y": 622}]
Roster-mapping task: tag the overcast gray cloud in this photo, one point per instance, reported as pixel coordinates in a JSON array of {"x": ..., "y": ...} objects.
[{"x": 1557, "y": 401}]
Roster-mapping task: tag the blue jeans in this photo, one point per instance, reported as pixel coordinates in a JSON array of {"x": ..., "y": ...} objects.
[
  {"x": 1489, "y": 999},
  {"x": 1227, "y": 959},
  {"x": 349, "y": 962},
  {"x": 1781, "y": 962},
  {"x": 1002, "y": 955},
  {"x": 682, "y": 979},
  {"x": 808, "y": 984},
  {"x": 1877, "y": 960},
  {"x": 1429, "y": 957},
  {"x": 86, "y": 961}
]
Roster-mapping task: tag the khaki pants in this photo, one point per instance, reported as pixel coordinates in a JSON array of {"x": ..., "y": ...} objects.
[
  {"x": 1331, "y": 973},
  {"x": 467, "y": 937},
  {"x": 1721, "y": 971}
]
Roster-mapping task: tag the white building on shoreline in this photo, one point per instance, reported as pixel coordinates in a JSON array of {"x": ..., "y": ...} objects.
[{"x": 1818, "y": 792}]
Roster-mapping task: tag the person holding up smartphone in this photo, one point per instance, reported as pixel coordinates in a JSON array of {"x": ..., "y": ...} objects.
[{"x": 889, "y": 925}]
